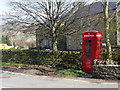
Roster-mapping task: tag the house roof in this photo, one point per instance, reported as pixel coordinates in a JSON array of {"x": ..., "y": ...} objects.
[{"x": 93, "y": 8}]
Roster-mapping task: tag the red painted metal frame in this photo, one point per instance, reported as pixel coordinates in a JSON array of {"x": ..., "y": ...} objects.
[{"x": 91, "y": 49}]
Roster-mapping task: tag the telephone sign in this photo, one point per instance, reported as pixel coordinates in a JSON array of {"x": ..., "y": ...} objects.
[
  {"x": 88, "y": 35},
  {"x": 91, "y": 49}
]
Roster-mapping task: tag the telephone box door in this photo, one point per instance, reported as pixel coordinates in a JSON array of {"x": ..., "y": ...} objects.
[{"x": 88, "y": 57}]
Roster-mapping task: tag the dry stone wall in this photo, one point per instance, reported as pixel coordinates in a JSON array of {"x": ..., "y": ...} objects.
[{"x": 107, "y": 72}]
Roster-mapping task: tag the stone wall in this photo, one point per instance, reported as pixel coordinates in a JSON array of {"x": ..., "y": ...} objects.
[{"x": 107, "y": 72}]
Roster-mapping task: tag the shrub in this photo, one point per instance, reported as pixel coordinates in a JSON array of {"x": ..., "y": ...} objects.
[{"x": 115, "y": 55}]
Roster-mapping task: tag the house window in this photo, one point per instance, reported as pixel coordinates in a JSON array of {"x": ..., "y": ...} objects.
[
  {"x": 69, "y": 42},
  {"x": 45, "y": 42}
]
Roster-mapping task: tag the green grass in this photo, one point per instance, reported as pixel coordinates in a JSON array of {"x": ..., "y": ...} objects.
[
  {"x": 69, "y": 73},
  {"x": 10, "y": 63}
]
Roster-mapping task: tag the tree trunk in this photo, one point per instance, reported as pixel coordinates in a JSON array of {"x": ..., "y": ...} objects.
[
  {"x": 54, "y": 40},
  {"x": 118, "y": 22},
  {"x": 107, "y": 35}
]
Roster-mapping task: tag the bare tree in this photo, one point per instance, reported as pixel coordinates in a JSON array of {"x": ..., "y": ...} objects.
[
  {"x": 118, "y": 21},
  {"x": 107, "y": 27},
  {"x": 53, "y": 16},
  {"x": 108, "y": 18}
]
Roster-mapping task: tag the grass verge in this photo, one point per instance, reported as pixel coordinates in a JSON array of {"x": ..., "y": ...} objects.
[
  {"x": 69, "y": 73},
  {"x": 58, "y": 72},
  {"x": 10, "y": 63}
]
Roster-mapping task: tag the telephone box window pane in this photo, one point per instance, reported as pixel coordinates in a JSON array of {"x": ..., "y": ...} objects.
[
  {"x": 88, "y": 41},
  {"x": 99, "y": 51},
  {"x": 88, "y": 48},
  {"x": 88, "y": 51},
  {"x": 88, "y": 55},
  {"x": 99, "y": 48},
  {"x": 99, "y": 40},
  {"x": 87, "y": 58},
  {"x": 88, "y": 44},
  {"x": 99, "y": 44}
]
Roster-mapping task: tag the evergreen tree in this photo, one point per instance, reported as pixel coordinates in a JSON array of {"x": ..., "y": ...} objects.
[
  {"x": 6, "y": 40},
  {"x": 3, "y": 39}
]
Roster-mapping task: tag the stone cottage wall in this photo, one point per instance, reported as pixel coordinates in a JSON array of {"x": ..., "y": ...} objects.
[{"x": 107, "y": 72}]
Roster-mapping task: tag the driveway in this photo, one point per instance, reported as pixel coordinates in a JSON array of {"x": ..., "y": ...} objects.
[{"x": 16, "y": 80}]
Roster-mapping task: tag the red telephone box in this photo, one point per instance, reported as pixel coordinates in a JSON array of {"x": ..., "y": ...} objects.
[{"x": 91, "y": 49}]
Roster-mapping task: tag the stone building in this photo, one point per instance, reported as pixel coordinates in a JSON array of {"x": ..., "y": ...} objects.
[{"x": 91, "y": 17}]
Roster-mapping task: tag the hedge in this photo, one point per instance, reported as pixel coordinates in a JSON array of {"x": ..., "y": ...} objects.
[{"x": 60, "y": 59}]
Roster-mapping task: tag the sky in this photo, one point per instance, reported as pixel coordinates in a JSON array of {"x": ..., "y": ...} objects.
[{"x": 4, "y": 5}]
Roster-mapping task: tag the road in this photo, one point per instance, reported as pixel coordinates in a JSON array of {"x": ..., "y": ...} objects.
[{"x": 15, "y": 80}]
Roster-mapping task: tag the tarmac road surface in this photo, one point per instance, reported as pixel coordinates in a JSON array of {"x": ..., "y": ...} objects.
[{"x": 16, "y": 80}]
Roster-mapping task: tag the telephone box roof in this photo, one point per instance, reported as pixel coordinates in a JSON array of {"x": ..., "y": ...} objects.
[{"x": 93, "y": 31}]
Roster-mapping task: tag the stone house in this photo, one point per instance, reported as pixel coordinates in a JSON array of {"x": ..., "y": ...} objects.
[{"x": 91, "y": 17}]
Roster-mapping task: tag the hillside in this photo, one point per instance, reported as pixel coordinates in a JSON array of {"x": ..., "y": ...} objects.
[{"x": 21, "y": 39}]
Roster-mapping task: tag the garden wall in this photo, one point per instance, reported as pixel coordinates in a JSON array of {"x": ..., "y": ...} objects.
[{"x": 107, "y": 72}]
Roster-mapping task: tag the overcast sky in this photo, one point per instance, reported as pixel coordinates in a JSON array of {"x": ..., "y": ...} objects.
[{"x": 4, "y": 4}]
